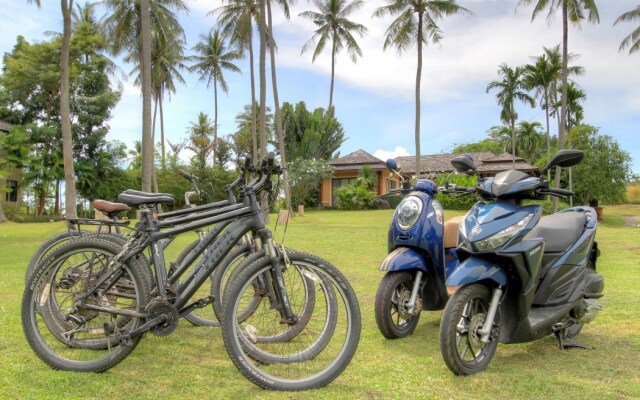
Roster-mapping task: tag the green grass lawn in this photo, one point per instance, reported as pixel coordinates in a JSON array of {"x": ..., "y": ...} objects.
[{"x": 192, "y": 362}]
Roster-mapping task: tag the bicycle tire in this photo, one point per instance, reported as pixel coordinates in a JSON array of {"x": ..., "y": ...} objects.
[{"x": 57, "y": 354}]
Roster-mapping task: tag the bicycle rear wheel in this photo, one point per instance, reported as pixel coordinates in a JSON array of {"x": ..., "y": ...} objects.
[
  {"x": 320, "y": 351},
  {"x": 65, "y": 334}
]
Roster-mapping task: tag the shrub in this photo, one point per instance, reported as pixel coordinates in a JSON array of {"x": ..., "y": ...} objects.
[
  {"x": 392, "y": 199},
  {"x": 354, "y": 197},
  {"x": 633, "y": 193},
  {"x": 381, "y": 204}
]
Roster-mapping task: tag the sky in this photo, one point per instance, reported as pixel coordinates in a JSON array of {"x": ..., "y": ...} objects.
[{"x": 374, "y": 97}]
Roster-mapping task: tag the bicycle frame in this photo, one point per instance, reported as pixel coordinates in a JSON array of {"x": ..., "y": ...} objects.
[{"x": 239, "y": 219}]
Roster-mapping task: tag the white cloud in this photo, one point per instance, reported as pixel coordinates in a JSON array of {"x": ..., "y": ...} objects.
[{"x": 385, "y": 154}]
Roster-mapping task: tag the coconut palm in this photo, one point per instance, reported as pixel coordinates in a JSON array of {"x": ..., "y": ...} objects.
[
  {"x": 633, "y": 39},
  {"x": 214, "y": 55},
  {"x": 334, "y": 26},
  {"x": 511, "y": 88},
  {"x": 200, "y": 142},
  {"x": 129, "y": 28},
  {"x": 415, "y": 24},
  {"x": 236, "y": 19},
  {"x": 65, "y": 108},
  {"x": 574, "y": 11},
  {"x": 529, "y": 140}
]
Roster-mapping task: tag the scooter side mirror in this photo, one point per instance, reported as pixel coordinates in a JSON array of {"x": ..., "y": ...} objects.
[
  {"x": 564, "y": 158},
  {"x": 464, "y": 164},
  {"x": 392, "y": 165}
]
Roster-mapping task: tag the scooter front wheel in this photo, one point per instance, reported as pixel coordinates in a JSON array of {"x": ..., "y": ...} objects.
[
  {"x": 460, "y": 340},
  {"x": 392, "y": 305}
]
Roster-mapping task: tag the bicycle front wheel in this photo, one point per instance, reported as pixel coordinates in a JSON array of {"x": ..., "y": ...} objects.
[{"x": 320, "y": 351}]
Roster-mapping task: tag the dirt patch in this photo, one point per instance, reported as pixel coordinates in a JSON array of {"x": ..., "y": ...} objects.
[{"x": 632, "y": 221}]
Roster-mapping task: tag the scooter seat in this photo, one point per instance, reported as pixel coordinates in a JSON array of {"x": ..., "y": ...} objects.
[
  {"x": 451, "y": 232},
  {"x": 559, "y": 230}
]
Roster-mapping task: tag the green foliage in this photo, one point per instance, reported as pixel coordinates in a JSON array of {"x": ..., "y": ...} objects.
[
  {"x": 305, "y": 175},
  {"x": 367, "y": 178},
  {"x": 201, "y": 140},
  {"x": 483, "y": 145},
  {"x": 604, "y": 173},
  {"x": 354, "y": 197},
  {"x": 310, "y": 135},
  {"x": 452, "y": 201},
  {"x": 393, "y": 199}
]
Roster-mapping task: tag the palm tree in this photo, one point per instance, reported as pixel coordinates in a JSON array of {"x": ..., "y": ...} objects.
[
  {"x": 574, "y": 11},
  {"x": 633, "y": 39},
  {"x": 129, "y": 28},
  {"x": 333, "y": 26},
  {"x": 529, "y": 140},
  {"x": 502, "y": 135},
  {"x": 214, "y": 56},
  {"x": 540, "y": 76},
  {"x": 65, "y": 108},
  {"x": 236, "y": 19},
  {"x": 200, "y": 139},
  {"x": 511, "y": 89},
  {"x": 415, "y": 24}
]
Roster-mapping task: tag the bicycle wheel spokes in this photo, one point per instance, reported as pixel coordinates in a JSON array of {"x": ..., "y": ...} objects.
[
  {"x": 61, "y": 329},
  {"x": 326, "y": 331}
]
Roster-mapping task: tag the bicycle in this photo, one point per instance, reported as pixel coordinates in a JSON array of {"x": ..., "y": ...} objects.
[{"x": 109, "y": 301}]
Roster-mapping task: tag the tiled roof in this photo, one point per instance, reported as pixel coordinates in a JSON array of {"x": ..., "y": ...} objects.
[
  {"x": 4, "y": 126},
  {"x": 357, "y": 159},
  {"x": 485, "y": 162}
]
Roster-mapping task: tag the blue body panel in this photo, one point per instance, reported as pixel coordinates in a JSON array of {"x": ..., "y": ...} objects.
[
  {"x": 426, "y": 235},
  {"x": 475, "y": 269},
  {"x": 404, "y": 258}
]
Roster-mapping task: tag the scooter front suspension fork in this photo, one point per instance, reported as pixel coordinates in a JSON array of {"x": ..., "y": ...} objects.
[
  {"x": 414, "y": 293},
  {"x": 485, "y": 332}
]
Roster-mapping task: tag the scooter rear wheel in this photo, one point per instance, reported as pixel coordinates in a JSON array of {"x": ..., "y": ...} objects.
[{"x": 391, "y": 306}]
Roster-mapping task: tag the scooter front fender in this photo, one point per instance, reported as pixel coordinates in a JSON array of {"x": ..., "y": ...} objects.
[
  {"x": 475, "y": 269},
  {"x": 404, "y": 258}
]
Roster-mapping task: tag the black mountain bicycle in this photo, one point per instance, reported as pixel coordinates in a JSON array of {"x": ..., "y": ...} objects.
[{"x": 103, "y": 294}]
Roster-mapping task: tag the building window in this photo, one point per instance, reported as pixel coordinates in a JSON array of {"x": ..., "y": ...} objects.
[
  {"x": 337, "y": 183},
  {"x": 12, "y": 191},
  {"x": 392, "y": 185}
]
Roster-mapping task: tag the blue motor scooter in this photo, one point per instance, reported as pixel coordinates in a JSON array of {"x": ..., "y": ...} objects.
[
  {"x": 522, "y": 276},
  {"x": 422, "y": 252}
]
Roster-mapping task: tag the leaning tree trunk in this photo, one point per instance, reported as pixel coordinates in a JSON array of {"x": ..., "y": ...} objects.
[
  {"x": 65, "y": 111},
  {"x": 145, "y": 64},
  {"x": 418, "y": 78},
  {"x": 278, "y": 116}
]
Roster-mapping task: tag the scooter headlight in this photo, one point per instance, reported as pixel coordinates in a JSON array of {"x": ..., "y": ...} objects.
[
  {"x": 500, "y": 238},
  {"x": 408, "y": 212}
]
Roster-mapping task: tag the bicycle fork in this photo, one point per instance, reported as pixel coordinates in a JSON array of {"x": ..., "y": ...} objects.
[{"x": 277, "y": 282}]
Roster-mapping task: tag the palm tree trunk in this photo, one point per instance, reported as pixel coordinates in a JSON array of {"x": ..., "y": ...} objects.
[
  {"x": 164, "y": 160},
  {"x": 3, "y": 218},
  {"x": 546, "y": 99},
  {"x": 418, "y": 78},
  {"x": 254, "y": 129},
  {"x": 263, "y": 80},
  {"x": 333, "y": 68},
  {"x": 56, "y": 207},
  {"x": 65, "y": 111},
  {"x": 145, "y": 64},
  {"x": 513, "y": 139},
  {"x": 278, "y": 116},
  {"x": 563, "y": 112},
  {"x": 215, "y": 120}
]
